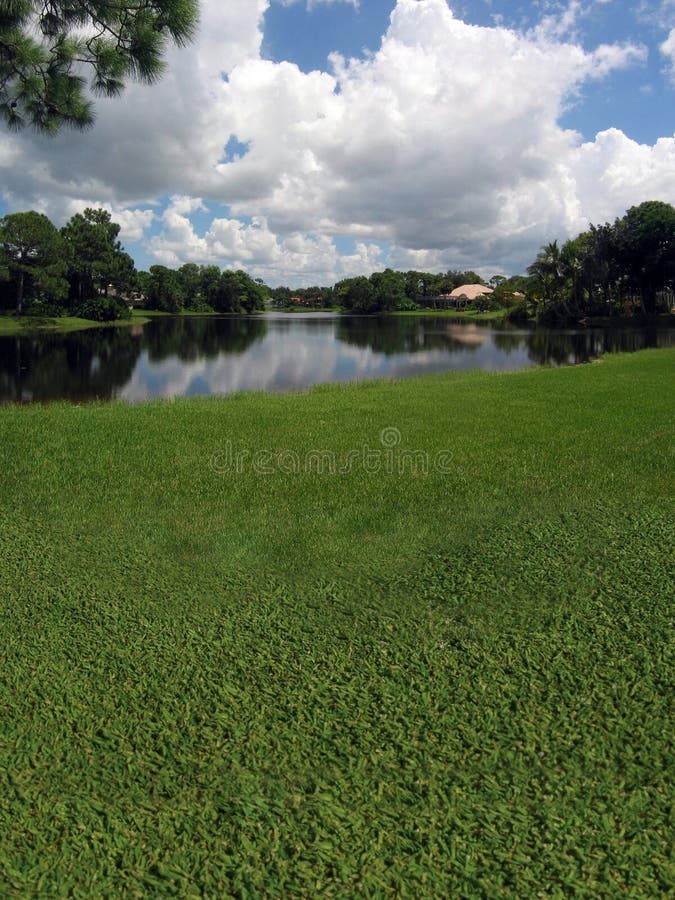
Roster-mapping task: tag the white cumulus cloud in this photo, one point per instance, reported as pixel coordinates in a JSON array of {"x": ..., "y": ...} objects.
[
  {"x": 668, "y": 50},
  {"x": 443, "y": 148}
]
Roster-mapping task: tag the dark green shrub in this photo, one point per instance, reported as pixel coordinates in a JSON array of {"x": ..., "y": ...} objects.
[
  {"x": 519, "y": 313},
  {"x": 103, "y": 309},
  {"x": 407, "y": 305},
  {"x": 41, "y": 306},
  {"x": 199, "y": 306}
]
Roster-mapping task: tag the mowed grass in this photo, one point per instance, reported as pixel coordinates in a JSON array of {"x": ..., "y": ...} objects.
[
  {"x": 455, "y": 313},
  {"x": 11, "y": 325},
  {"x": 296, "y": 684}
]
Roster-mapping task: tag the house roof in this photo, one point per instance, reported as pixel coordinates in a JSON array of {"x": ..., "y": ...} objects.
[{"x": 471, "y": 291}]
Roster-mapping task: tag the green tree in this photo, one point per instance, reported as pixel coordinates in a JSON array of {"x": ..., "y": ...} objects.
[
  {"x": 389, "y": 289},
  {"x": 142, "y": 284},
  {"x": 122, "y": 273},
  {"x": 209, "y": 284},
  {"x": 512, "y": 291},
  {"x": 357, "y": 294},
  {"x": 576, "y": 270},
  {"x": 94, "y": 254},
  {"x": 607, "y": 276},
  {"x": 165, "y": 290},
  {"x": 595, "y": 272},
  {"x": 32, "y": 255},
  {"x": 415, "y": 285},
  {"x": 645, "y": 240},
  {"x": 238, "y": 292},
  {"x": 547, "y": 271},
  {"x": 230, "y": 296},
  {"x": 327, "y": 298},
  {"x": 281, "y": 296},
  {"x": 254, "y": 290},
  {"x": 455, "y": 278},
  {"x": 190, "y": 279},
  {"x": 470, "y": 277},
  {"x": 46, "y": 44}
]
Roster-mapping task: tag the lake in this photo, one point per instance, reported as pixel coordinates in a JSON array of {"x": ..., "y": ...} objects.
[{"x": 188, "y": 356}]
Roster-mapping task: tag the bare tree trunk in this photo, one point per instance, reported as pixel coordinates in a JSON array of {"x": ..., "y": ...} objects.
[
  {"x": 17, "y": 353},
  {"x": 19, "y": 293},
  {"x": 647, "y": 300}
]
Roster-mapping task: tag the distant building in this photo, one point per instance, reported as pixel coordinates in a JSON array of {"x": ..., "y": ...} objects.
[
  {"x": 469, "y": 292},
  {"x": 465, "y": 293}
]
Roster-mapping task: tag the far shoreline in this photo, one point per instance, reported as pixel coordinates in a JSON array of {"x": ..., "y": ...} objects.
[{"x": 14, "y": 326}]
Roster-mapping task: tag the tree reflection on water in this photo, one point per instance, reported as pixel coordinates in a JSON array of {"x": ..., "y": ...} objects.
[{"x": 217, "y": 355}]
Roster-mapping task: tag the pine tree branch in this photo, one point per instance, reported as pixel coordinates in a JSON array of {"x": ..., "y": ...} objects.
[{"x": 40, "y": 81}]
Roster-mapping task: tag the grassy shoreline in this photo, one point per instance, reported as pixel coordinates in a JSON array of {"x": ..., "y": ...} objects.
[
  {"x": 442, "y": 313},
  {"x": 224, "y": 674},
  {"x": 185, "y": 313},
  {"x": 469, "y": 314},
  {"x": 11, "y": 325}
]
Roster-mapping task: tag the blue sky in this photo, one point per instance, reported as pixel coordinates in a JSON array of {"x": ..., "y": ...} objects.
[
  {"x": 306, "y": 142},
  {"x": 639, "y": 101}
]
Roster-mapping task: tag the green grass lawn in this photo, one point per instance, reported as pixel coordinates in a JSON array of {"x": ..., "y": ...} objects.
[
  {"x": 222, "y": 679},
  {"x": 306, "y": 309},
  {"x": 139, "y": 312},
  {"x": 12, "y": 325},
  {"x": 487, "y": 315}
]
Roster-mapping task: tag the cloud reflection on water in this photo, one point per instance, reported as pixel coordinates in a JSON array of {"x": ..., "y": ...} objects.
[{"x": 189, "y": 356}]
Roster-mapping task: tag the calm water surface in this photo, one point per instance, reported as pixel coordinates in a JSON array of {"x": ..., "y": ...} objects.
[{"x": 170, "y": 357}]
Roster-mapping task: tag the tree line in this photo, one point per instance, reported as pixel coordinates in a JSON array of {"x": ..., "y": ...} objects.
[
  {"x": 82, "y": 269},
  {"x": 201, "y": 289},
  {"x": 394, "y": 290},
  {"x": 625, "y": 266},
  {"x": 621, "y": 268}
]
